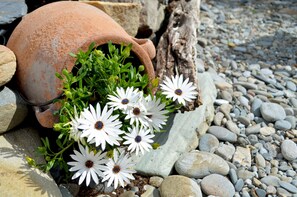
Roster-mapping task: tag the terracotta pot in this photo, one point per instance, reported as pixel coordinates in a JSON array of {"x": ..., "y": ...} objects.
[{"x": 44, "y": 38}]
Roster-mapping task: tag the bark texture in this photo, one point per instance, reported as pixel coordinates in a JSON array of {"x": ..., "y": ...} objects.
[{"x": 176, "y": 50}]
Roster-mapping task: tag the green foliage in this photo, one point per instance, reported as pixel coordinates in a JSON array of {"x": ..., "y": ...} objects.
[{"x": 95, "y": 75}]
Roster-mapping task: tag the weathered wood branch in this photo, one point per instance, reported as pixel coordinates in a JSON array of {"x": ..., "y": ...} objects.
[{"x": 176, "y": 50}]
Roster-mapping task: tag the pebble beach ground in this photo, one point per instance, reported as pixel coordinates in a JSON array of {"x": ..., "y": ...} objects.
[{"x": 250, "y": 47}]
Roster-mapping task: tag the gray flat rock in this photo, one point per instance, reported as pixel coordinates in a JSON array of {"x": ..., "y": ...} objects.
[
  {"x": 11, "y": 10},
  {"x": 17, "y": 178}
]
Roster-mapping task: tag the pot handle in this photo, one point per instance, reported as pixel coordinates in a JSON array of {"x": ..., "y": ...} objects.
[
  {"x": 147, "y": 45},
  {"x": 47, "y": 118}
]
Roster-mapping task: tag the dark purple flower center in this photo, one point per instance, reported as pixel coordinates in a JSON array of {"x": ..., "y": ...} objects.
[
  {"x": 116, "y": 169},
  {"x": 136, "y": 111},
  {"x": 178, "y": 92},
  {"x": 125, "y": 101},
  {"x": 89, "y": 164},
  {"x": 99, "y": 125},
  {"x": 138, "y": 139}
]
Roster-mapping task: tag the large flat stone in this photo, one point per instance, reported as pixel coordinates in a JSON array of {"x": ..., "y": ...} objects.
[
  {"x": 181, "y": 136},
  {"x": 16, "y": 177},
  {"x": 125, "y": 14}
]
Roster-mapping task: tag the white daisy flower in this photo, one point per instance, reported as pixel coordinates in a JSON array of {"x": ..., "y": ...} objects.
[
  {"x": 139, "y": 139},
  {"x": 179, "y": 90},
  {"x": 124, "y": 99},
  {"x": 155, "y": 112},
  {"x": 75, "y": 132},
  {"x": 137, "y": 114},
  {"x": 100, "y": 127},
  {"x": 88, "y": 166},
  {"x": 119, "y": 170}
]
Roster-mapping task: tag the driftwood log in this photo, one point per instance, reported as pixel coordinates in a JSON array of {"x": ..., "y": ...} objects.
[{"x": 176, "y": 50}]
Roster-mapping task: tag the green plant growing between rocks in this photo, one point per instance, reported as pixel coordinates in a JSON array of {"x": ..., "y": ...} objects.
[{"x": 109, "y": 109}]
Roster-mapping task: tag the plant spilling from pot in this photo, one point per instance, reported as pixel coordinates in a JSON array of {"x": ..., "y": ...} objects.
[{"x": 110, "y": 111}]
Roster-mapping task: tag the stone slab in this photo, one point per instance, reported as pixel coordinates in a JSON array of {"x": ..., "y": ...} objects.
[{"x": 16, "y": 177}]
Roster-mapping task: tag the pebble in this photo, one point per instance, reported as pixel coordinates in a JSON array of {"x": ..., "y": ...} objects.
[
  {"x": 292, "y": 120},
  {"x": 271, "y": 180},
  {"x": 226, "y": 96},
  {"x": 225, "y": 109},
  {"x": 222, "y": 85},
  {"x": 244, "y": 120},
  {"x": 233, "y": 176},
  {"x": 289, "y": 149},
  {"x": 130, "y": 194},
  {"x": 289, "y": 187},
  {"x": 253, "y": 139},
  {"x": 283, "y": 193},
  {"x": 270, "y": 189},
  {"x": 208, "y": 143},
  {"x": 177, "y": 185},
  {"x": 255, "y": 108},
  {"x": 267, "y": 131},
  {"x": 232, "y": 127},
  {"x": 156, "y": 181},
  {"x": 282, "y": 125},
  {"x": 226, "y": 151},
  {"x": 239, "y": 185},
  {"x": 272, "y": 112},
  {"x": 220, "y": 102},
  {"x": 200, "y": 164},
  {"x": 293, "y": 101},
  {"x": 149, "y": 191},
  {"x": 222, "y": 133},
  {"x": 218, "y": 118},
  {"x": 211, "y": 183},
  {"x": 245, "y": 194},
  {"x": 242, "y": 156},
  {"x": 247, "y": 85},
  {"x": 245, "y": 174},
  {"x": 255, "y": 129},
  {"x": 261, "y": 192},
  {"x": 291, "y": 86},
  {"x": 291, "y": 173},
  {"x": 260, "y": 161}
]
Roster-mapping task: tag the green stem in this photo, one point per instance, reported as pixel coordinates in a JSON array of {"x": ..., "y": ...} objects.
[{"x": 63, "y": 150}]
